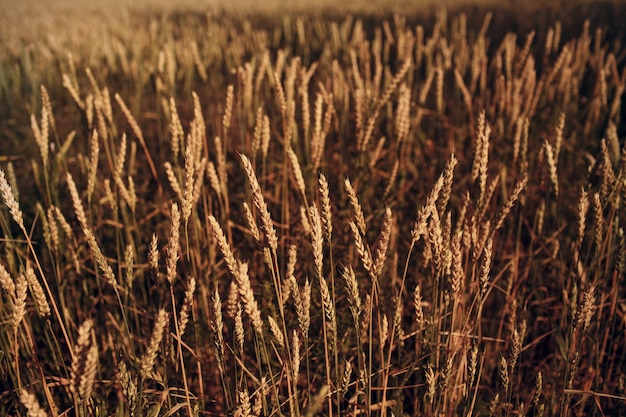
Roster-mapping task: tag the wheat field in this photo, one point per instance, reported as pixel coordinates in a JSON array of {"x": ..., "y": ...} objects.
[{"x": 264, "y": 213}]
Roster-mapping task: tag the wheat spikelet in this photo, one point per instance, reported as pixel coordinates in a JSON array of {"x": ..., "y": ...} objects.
[
  {"x": 221, "y": 162},
  {"x": 129, "y": 386},
  {"x": 519, "y": 187},
  {"x": 472, "y": 363},
  {"x": 380, "y": 251},
  {"x": 517, "y": 340},
  {"x": 276, "y": 332},
  {"x": 362, "y": 250},
  {"x": 183, "y": 317},
  {"x": 552, "y": 167},
  {"x": 457, "y": 273},
  {"x": 504, "y": 374},
  {"x": 197, "y": 61},
  {"x": 424, "y": 213},
  {"x": 217, "y": 326},
  {"x": 359, "y": 218},
  {"x": 129, "y": 118},
  {"x": 81, "y": 353},
  {"x": 43, "y": 308},
  {"x": 67, "y": 83},
  {"x": 265, "y": 136},
  {"x": 354, "y": 298},
  {"x": 231, "y": 262},
  {"x": 239, "y": 331},
  {"x": 246, "y": 296},
  {"x": 173, "y": 244},
  {"x": 317, "y": 240},
  {"x": 19, "y": 302},
  {"x": 297, "y": 171},
  {"x": 78, "y": 205},
  {"x": 485, "y": 268},
  {"x": 128, "y": 264},
  {"x": 329, "y": 308},
  {"x": 108, "y": 195},
  {"x": 188, "y": 193},
  {"x": 175, "y": 128},
  {"x": 598, "y": 221},
  {"x": 538, "y": 388},
  {"x": 585, "y": 310},
  {"x": 6, "y": 282},
  {"x": 31, "y": 403},
  {"x": 94, "y": 146},
  {"x": 160, "y": 325},
  {"x": 266, "y": 220},
  {"x": 10, "y": 201},
  {"x": 214, "y": 179},
  {"x": 326, "y": 207},
  {"x": 430, "y": 384},
  {"x": 295, "y": 354},
  {"x": 101, "y": 261},
  {"x": 317, "y": 142}
]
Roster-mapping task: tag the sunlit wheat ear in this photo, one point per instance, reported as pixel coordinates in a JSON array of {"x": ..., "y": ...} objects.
[
  {"x": 297, "y": 171},
  {"x": 356, "y": 207},
  {"x": 276, "y": 331},
  {"x": 171, "y": 178},
  {"x": 101, "y": 261},
  {"x": 431, "y": 384},
  {"x": 153, "y": 256},
  {"x": 19, "y": 302},
  {"x": 345, "y": 380},
  {"x": 31, "y": 403},
  {"x": 329, "y": 307},
  {"x": 317, "y": 241},
  {"x": 6, "y": 282},
  {"x": 598, "y": 220},
  {"x": 94, "y": 146},
  {"x": 228, "y": 109},
  {"x": 160, "y": 326},
  {"x": 519, "y": 187},
  {"x": 472, "y": 363},
  {"x": 362, "y": 250},
  {"x": 424, "y": 213},
  {"x": 448, "y": 178},
  {"x": 327, "y": 222},
  {"x": 246, "y": 296},
  {"x": 43, "y": 308},
  {"x": 267, "y": 226},
  {"x": 485, "y": 269},
  {"x": 128, "y": 264},
  {"x": 217, "y": 326},
  {"x": 175, "y": 128},
  {"x": 504, "y": 374},
  {"x": 128, "y": 384},
  {"x": 220, "y": 237},
  {"x": 84, "y": 363},
  {"x": 183, "y": 317},
  {"x": 585, "y": 310},
  {"x": 552, "y": 167},
  {"x": 254, "y": 230},
  {"x": 172, "y": 245},
  {"x": 67, "y": 83},
  {"x": 517, "y": 341},
  {"x": 187, "y": 197},
  {"x": 295, "y": 351},
  {"x": 352, "y": 289},
  {"x": 78, "y": 205},
  {"x": 239, "y": 330},
  {"x": 129, "y": 117},
  {"x": 10, "y": 201},
  {"x": 380, "y": 251}
]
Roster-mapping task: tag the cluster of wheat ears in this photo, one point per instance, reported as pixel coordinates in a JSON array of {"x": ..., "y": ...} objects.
[{"x": 317, "y": 216}]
